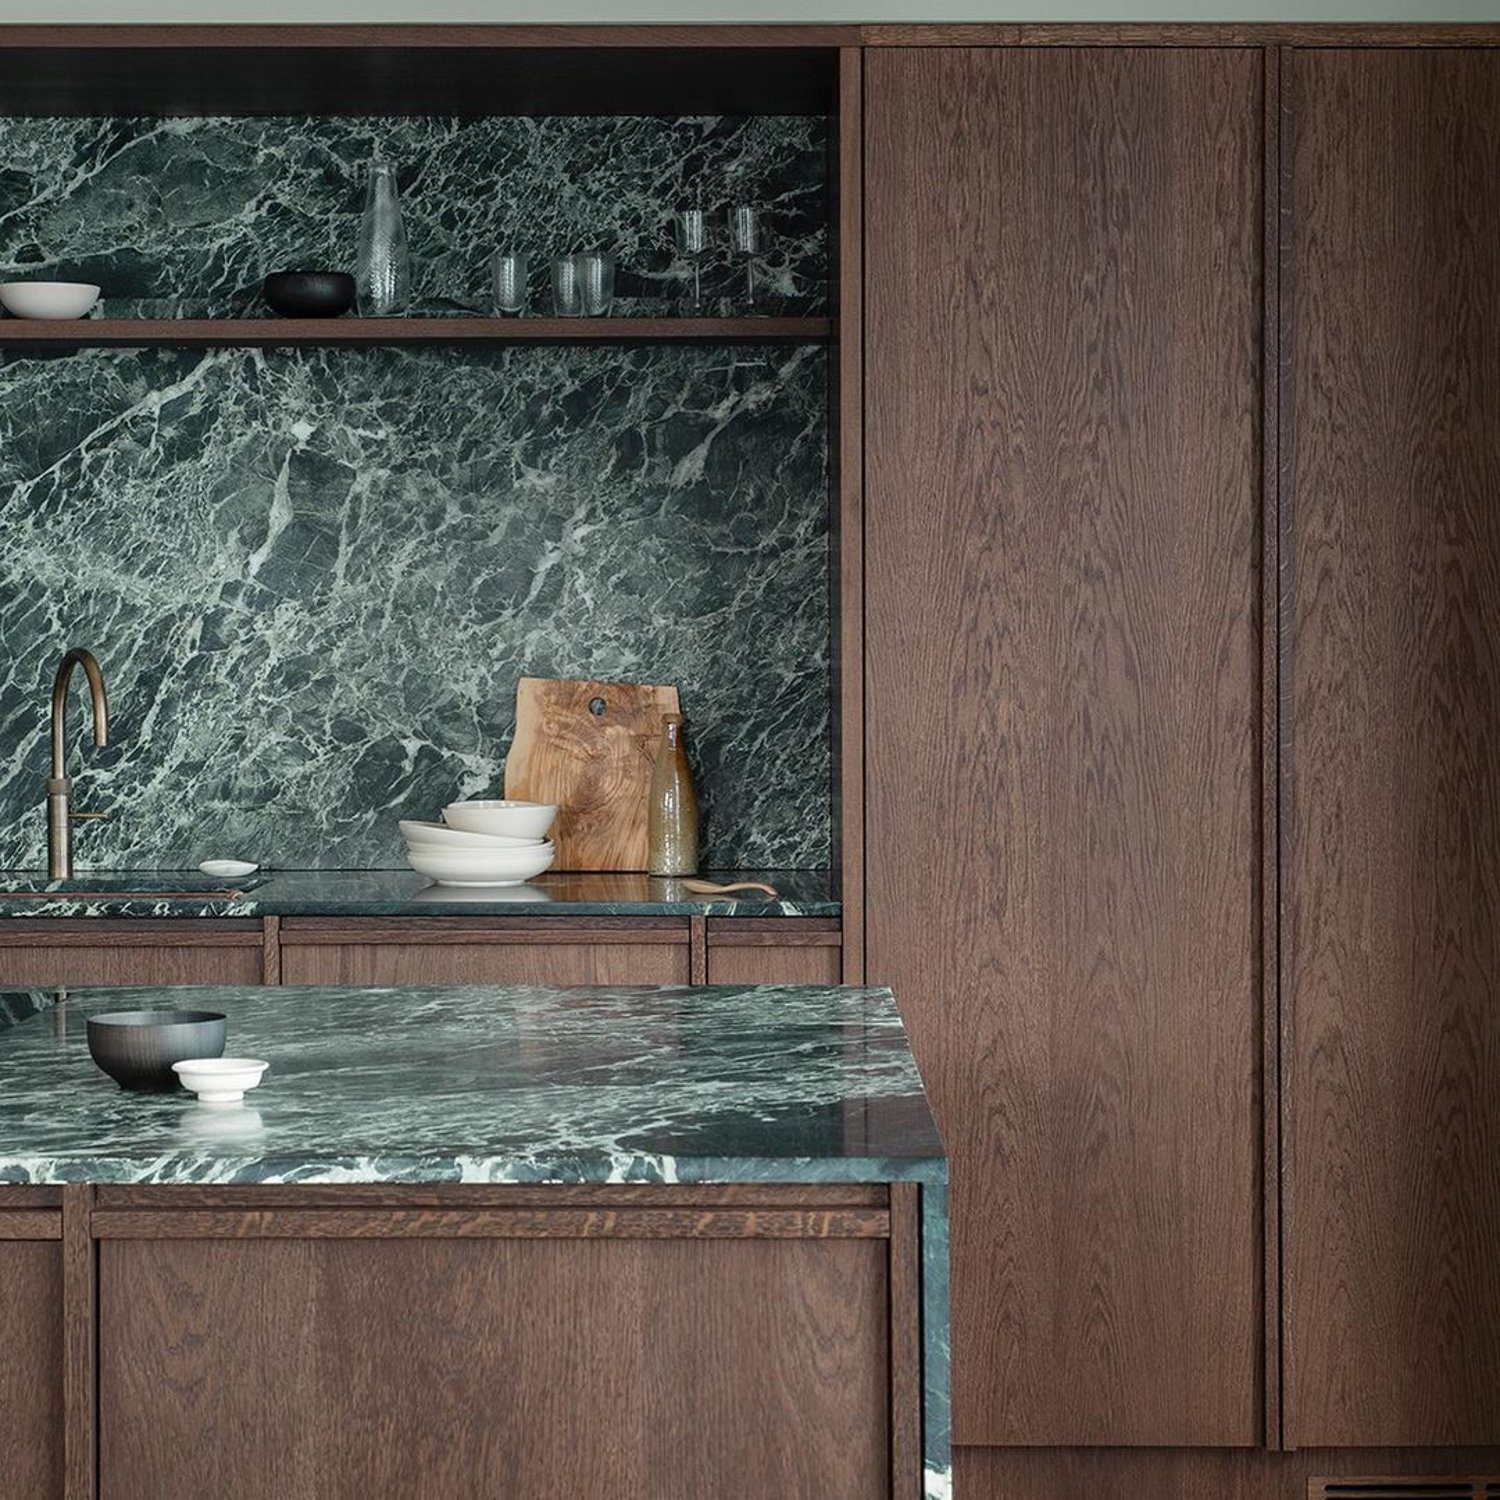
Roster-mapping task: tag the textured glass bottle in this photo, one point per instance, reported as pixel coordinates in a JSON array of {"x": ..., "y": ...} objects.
[
  {"x": 672, "y": 815},
  {"x": 384, "y": 270}
]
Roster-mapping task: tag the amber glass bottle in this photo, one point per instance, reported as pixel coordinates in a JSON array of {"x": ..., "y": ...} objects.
[{"x": 672, "y": 818}]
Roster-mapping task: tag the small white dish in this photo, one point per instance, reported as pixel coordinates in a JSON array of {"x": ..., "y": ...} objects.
[
  {"x": 441, "y": 836},
  {"x": 518, "y": 820},
  {"x": 227, "y": 869},
  {"x": 48, "y": 299},
  {"x": 220, "y": 1080},
  {"x": 492, "y": 867}
]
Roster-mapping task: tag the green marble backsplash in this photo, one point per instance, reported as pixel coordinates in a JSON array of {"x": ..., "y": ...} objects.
[
  {"x": 313, "y": 577},
  {"x": 185, "y": 216}
]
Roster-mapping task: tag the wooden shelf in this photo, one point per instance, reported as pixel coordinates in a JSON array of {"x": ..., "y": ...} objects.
[{"x": 204, "y": 333}]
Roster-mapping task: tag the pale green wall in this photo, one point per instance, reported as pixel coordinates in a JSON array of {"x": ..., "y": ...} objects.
[{"x": 749, "y": 10}]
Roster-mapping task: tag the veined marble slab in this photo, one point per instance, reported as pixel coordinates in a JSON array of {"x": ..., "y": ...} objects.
[
  {"x": 183, "y": 217},
  {"x": 314, "y": 577},
  {"x": 397, "y": 893}
]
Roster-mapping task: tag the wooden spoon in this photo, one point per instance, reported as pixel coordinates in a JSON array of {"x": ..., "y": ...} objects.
[{"x": 708, "y": 888}]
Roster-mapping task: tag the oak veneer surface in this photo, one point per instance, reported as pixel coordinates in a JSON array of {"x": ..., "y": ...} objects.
[
  {"x": 766, "y": 963},
  {"x": 31, "y": 1406},
  {"x": 1063, "y": 330},
  {"x": 1162, "y": 1474},
  {"x": 483, "y": 963},
  {"x": 1391, "y": 826},
  {"x": 39, "y": 964},
  {"x": 533, "y": 1368}
]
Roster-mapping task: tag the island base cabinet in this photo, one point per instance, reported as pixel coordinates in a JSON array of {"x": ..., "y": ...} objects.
[{"x": 534, "y": 1355}]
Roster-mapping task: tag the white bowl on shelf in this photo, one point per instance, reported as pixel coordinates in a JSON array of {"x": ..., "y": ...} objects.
[
  {"x": 487, "y": 867},
  {"x": 48, "y": 299},
  {"x": 519, "y": 820},
  {"x": 419, "y": 834},
  {"x": 220, "y": 1080}
]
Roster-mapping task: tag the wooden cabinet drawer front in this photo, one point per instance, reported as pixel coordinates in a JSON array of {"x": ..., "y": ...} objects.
[
  {"x": 461, "y": 951},
  {"x": 74, "y": 954},
  {"x": 585, "y": 1367},
  {"x": 780, "y": 950}
]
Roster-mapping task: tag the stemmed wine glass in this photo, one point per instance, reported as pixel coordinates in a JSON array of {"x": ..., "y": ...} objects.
[
  {"x": 745, "y": 239},
  {"x": 691, "y": 225}
]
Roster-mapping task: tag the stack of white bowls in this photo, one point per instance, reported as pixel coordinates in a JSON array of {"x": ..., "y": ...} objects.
[{"x": 482, "y": 843}]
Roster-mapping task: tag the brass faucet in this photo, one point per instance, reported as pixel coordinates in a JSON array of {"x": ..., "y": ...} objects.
[{"x": 60, "y": 814}]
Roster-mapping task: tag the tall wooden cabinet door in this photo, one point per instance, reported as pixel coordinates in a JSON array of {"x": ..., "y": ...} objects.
[
  {"x": 1391, "y": 771},
  {"x": 1063, "y": 344}
]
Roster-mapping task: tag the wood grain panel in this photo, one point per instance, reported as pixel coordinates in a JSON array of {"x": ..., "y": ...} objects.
[
  {"x": 31, "y": 1404},
  {"x": 1391, "y": 829},
  {"x": 482, "y": 963},
  {"x": 585, "y": 1368},
  {"x": 75, "y": 954},
  {"x": 474, "y": 1223},
  {"x": 79, "y": 1345},
  {"x": 1161, "y": 1474},
  {"x": 765, "y": 963},
  {"x": 797, "y": 950},
  {"x": 1063, "y": 330}
]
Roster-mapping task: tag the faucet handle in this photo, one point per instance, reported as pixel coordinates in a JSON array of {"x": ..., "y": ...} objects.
[{"x": 88, "y": 817}]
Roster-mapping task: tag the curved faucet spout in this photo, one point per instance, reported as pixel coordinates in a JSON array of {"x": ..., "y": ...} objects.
[
  {"x": 77, "y": 657},
  {"x": 60, "y": 812}
]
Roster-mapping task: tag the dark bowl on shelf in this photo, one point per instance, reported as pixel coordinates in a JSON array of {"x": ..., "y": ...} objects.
[
  {"x": 309, "y": 294},
  {"x": 138, "y": 1047}
]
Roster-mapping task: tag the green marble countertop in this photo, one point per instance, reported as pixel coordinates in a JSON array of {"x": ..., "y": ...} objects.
[
  {"x": 393, "y": 893},
  {"x": 778, "y": 1083}
]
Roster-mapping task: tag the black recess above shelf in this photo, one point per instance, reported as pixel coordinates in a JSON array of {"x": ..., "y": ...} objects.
[{"x": 204, "y": 333}]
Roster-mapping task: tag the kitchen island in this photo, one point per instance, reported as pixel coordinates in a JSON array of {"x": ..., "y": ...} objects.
[{"x": 471, "y": 1241}]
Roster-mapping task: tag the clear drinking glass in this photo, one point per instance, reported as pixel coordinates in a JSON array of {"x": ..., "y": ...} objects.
[
  {"x": 567, "y": 289},
  {"x": 596, "y": 280},
  {"x": 745, "y": 240},
  {"x": 383, "y": 271},
  {"x": 691, "y": 226},
  {"x": 508, "y": 269}
]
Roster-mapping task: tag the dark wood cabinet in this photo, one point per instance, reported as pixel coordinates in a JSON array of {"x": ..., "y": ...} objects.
[
  {"x": 1063, "y": 329},
  {"x": 49, "y": 953},
  {"x": 31, "y": 1347},
  {"x": 1391, "y": 768},
  {"x": 640, "y": 1347},
  {"x": 773, "y": 950},
  {"x": 509, "y": 950}
]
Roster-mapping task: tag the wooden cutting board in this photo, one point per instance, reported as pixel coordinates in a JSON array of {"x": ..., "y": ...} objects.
[{"x": 589, "y": 747}]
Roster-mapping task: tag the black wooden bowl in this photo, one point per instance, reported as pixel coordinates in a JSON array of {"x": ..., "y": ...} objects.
[
  {"x": 138, "y": 1047},
  {"x": 309, "y": 294}
]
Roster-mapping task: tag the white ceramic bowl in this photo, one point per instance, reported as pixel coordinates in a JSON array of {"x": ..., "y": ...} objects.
[
  {"x": 220, "y": 1080},
  {"x": 440, "y": 836},
  {"x": 517, "y": 820},
  {"x": 492, "y": 867},
  {"x": 48, "y": 299}
]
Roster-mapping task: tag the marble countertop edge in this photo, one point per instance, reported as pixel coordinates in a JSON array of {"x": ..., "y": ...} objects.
[{"x": 402, "y": 893}]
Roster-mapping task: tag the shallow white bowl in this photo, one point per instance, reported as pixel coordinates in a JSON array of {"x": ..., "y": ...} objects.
[
  {"x": 493, "y": 867},
  {"x": 517, "y": 820},
  {"x": 48, "y": 299},
  {"x": 440, "y": 836},
  {"x": 227, "y": 869},
  {"x": 220, "y": 1080}
]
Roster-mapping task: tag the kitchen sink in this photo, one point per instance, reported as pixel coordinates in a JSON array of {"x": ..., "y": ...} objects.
[{"x": 155, "y": 885}]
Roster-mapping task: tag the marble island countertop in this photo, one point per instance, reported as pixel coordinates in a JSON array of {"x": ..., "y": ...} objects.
[
  {"x": 389, "y": 893},
  {"x": 485, "y": 1084}
]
